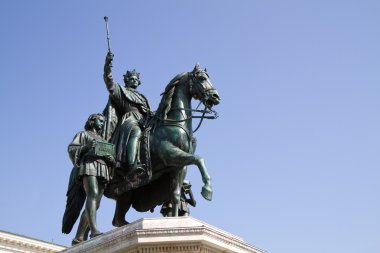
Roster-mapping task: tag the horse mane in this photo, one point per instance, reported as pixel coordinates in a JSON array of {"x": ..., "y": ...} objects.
[{"x": 167, "y": 96}]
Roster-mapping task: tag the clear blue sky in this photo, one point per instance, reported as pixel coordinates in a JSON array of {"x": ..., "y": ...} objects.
[{"x": 294, "y": 156}]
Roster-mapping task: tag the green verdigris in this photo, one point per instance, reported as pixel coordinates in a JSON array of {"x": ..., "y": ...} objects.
[
  {"x": 128, "y": 107},
  {"x": 183, "y": 210},
  {"x": 167, "y": 134},
  {"x": 143, "y": 157},
  {"x": 171, "y": 142},
  {"x": 92, "y": 171}
]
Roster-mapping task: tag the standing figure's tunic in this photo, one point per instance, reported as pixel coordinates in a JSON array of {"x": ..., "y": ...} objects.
[{"x": 87, "y": 165}]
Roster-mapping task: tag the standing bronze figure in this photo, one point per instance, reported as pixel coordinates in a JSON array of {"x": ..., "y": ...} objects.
[{"x": 91, "y": 172}]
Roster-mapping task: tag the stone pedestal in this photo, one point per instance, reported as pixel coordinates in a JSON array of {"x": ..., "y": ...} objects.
[{"x": 179, "y": 234}]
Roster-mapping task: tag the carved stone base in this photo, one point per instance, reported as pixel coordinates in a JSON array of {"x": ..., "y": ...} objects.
[{"x": 181, "y": 234}]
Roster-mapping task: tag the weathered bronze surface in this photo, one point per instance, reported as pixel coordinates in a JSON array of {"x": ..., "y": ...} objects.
[
  {"x": 143, "y": 154},
  {"x": 172, "y": 146},
  {"x": 187, "y": 198},
  {"x": 92, "y": 171},
  {"x": 102, "y": 148},
  {"x": 125, "y": 111}
]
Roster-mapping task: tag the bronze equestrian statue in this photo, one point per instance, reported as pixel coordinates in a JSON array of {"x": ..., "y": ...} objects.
[
  {"x": 147, "y": 164},
  {"x": 171, "y": 143}
]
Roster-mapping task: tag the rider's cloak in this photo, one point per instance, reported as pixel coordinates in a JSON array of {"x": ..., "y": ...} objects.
[{"x": 126, "y": 108}]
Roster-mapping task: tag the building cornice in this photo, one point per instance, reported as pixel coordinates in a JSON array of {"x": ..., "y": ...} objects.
[{"x": 10, "y": 242}]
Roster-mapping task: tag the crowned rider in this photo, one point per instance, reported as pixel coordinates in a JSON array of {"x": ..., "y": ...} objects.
[{"x": 127, "y": 109}]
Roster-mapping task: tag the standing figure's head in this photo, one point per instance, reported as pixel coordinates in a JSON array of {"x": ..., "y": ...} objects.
[
  {"x": 132, "y": 79},
  {"x": 95, "y": 122}
]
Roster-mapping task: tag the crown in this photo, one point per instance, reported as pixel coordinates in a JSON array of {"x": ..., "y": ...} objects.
[{"x": 132, "y": 73}]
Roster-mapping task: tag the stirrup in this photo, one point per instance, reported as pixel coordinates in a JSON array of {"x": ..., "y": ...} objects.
[{"x": 137, "y": 170}]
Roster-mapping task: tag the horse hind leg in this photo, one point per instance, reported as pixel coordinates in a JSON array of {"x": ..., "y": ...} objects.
[
  {"x": 123, "y": 203},
  {"x": 176, "y": 187}
]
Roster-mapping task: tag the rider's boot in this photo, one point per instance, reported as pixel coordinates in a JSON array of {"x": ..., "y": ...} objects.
[{"x": 136, "y": 168}]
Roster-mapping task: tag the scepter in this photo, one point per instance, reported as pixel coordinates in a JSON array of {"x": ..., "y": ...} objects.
[
  {"x": 108, "y": 34},
  {"x": 106, "y": 130}
]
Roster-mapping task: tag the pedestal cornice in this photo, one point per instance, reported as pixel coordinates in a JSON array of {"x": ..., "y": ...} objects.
[{"x": 177, "y": 234}]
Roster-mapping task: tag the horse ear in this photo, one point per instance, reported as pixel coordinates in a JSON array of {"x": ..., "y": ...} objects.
[
  {"x": 205, "y": 70},
  {"x": 197, "y": 67}
]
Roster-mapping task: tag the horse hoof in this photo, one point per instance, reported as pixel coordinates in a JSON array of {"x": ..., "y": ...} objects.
[
  {"x": 75, "y": 241},
  {"x": 118, "y": 224},
  {"x": 207, "y": 192}
]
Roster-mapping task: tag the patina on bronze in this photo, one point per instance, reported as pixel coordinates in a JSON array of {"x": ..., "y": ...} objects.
[
  {"x": 125, "y": 111},
  {"x": 172, "y": 147},
  {"x": 148, "y": 152},
  {"x": 93, "y": 159},
  {"x": 187, "y": 198}
]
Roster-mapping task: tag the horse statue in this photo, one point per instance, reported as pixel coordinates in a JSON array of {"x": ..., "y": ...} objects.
[{"x": 172, "y": 147}]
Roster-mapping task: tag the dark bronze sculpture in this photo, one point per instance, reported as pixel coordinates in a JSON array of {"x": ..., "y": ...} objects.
[
  {"x": 131, "y": 108},
  {"x": 183, "y": 210},
  {"x": 92, "y": 159},
  {"x": 172, "y": 147},
  {"x": 151, "y": 150}
]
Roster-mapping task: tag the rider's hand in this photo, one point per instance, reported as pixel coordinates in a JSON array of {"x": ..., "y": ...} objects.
[
  {"x": 110, "y": 159},
  {"x": 109, "y": 57}
]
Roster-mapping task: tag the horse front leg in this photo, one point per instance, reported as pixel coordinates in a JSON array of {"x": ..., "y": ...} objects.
[
  {"x": 174, "y": 156},
  {"x": 207, "y": 188}
]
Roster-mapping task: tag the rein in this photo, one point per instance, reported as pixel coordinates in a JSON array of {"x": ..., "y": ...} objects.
[{"x": 204, "y": 111}]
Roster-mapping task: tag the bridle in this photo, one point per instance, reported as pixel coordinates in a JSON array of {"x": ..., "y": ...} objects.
[
  {"x": 202, "y": 117},
  {"x": 205, "y": 111}
]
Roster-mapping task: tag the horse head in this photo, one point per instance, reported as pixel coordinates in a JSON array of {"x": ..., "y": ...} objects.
[{"x": 201, "y": 87}]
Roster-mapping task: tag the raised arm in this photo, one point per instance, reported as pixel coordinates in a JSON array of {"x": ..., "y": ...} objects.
[{"x": 108, "y": 78}]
